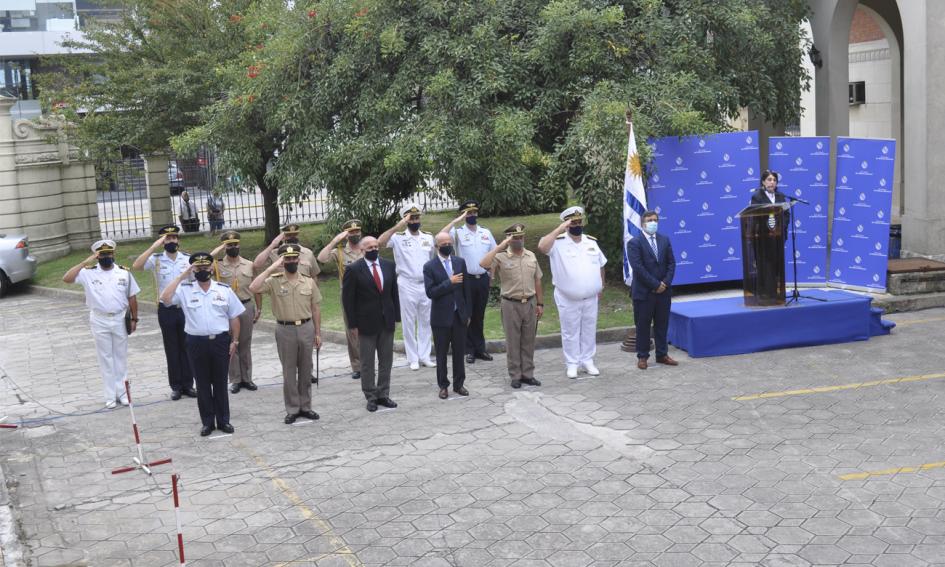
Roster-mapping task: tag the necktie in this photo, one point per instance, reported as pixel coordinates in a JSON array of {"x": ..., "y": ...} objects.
[
  {"x": 449, "y": 268},
  {"x": 377, "y": 279},
  {"x": 653, "y": 246}
]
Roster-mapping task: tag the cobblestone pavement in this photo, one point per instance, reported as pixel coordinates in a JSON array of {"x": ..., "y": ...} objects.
[{"x": 657, "y": 468}]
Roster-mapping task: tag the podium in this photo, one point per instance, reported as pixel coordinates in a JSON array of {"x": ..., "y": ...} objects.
[{"x": 763, "y": 232}]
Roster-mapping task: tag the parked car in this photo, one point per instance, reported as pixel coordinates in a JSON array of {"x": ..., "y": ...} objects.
[
  {"x": 175, "y": 177},
  {"x": 16, "y": 264}
]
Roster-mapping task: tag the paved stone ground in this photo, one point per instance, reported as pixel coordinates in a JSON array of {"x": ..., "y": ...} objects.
[{"x": 656, "y": 468}]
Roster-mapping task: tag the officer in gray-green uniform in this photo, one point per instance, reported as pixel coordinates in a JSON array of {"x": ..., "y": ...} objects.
[
  {"x": 295, "y": 300},
  {"x": 522, "y": 305},
  {"x": 344, "y": 250},
  {"x": 237, "y": 272}
]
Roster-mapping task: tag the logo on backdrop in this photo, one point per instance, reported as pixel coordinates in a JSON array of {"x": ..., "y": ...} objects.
[
  {"x": 679, "y": 165},
  {"x": 682, "y": 228}
]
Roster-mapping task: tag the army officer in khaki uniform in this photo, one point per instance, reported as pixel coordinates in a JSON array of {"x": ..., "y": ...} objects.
[
  {"x": 295, "y": 300},
  {"x": 522, "y": 304},
  {"x": 237, "y": 272},
  {"x": 308, "y": 266},
  {"x": 344, "y": 250}
]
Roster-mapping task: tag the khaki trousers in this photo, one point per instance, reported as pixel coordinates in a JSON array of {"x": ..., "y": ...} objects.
[
  {"x": 295, "y": 345},
  {"x": 521, "y": 325},
  {"x": 241, "y": 363},
  {"x": 354, "y": 351}
]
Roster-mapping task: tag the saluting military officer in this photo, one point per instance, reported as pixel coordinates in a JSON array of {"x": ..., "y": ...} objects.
[
  {"x": 166, "y": 266},
  {"x": 308, "y": 266},
  {"x": 522, "y": 304},
  {"x": 472, "y": 243},
  {"x": 212, "y": 312},
  {"x": 110, "y": 291},
  {"x": 577, "y": 271},
  {"x": 344, "y": 250},
  {"x": 237, "y": 272},
  {"x": 412, "y": 249},
  {"x": 295, "y": 300}
]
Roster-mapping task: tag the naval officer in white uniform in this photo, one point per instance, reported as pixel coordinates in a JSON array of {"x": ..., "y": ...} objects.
[{"x": 577, "y": 269}]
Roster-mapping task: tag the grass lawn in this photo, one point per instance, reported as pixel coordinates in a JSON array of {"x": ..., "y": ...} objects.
[{"x": 615, "y": 307}]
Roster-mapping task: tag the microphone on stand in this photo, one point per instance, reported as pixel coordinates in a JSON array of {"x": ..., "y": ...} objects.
[{"x": 798, "y": 199}]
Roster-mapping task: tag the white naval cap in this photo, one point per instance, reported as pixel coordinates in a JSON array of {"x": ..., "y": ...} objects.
[
  {"x": 572, "y": 213},
  {"x": 104, "y": 246},
  {"x": 412, "y": 208}
]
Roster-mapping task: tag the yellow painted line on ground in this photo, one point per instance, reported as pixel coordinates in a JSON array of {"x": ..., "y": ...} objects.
[
  {"x": 824, "y": 389},
  {"x": 341, "y": 548},
  {"x": 919, "y": 321},
  {"x": 888, "y": 472}
]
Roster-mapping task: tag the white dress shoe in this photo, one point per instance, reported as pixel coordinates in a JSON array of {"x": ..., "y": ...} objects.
[
  {"x": 123, "y": 400},
  {"x": 111, "y": 404},
  {"x": 428, "y": 363},
  {"x": 415, "y": 366},
  {"x": 572, "y": 371},
  {"x": 591, "y": 369}
]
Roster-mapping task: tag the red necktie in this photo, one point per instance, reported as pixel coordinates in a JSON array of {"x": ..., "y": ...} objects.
[{"x": 377, "y": 279}]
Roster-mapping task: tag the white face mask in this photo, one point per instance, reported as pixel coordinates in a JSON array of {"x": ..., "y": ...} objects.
[{"x": 650, "y": 227}]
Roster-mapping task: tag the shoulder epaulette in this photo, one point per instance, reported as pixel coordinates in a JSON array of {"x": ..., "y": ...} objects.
[
  {"x": 123, "y": 268},
  {"x": 157, "y": 254},
  {"x": 591, "y": 237},
  {"x": 425, "y": 232},
  {"x": 92, "y": 267},
  {"x": 560, "y": 236},
  {"x": 185, "y": 253},
  {"x": 187, "y": 283},
  {"x": 277, "y": 275},
  {"x": 223, "y": 284}
]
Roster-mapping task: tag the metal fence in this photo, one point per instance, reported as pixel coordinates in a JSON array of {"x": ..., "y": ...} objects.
[{"x": 125, "y": 213}]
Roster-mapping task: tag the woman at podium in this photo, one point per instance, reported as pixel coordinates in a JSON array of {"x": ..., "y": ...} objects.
[{"x": 763, "y": 242}]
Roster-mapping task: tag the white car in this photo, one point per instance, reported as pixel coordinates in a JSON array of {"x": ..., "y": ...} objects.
[{"x": 16, "y": 264}]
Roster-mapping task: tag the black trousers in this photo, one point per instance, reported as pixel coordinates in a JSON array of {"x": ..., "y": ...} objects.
[
  {"x": 211, "y": 360},
  {"x": 179, "y": 374},
  {"x": 443, "y": 338},
  {"x": 479, "y": 290},
  {"x": 652, "y": 311}
]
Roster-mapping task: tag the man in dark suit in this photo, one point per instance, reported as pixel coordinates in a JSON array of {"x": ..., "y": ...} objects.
[
  {"x": 651, "y": 258},
  {"x": 445, "y": 280},
  {"x": 372, "y": 307}
]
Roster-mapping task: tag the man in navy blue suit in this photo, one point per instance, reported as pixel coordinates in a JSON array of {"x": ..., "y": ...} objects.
[
  {"x": 651, "y": 258},
  {"x": 445, "y": 281}
]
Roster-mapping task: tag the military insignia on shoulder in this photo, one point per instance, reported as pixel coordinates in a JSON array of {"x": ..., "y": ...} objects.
[
  {"x": 425, "y": 232},
  {"x": 560, "y": 236},
  {"x": 187, "y": 283},
  {"x": 591, "y": 237},
  {"x": 92, "y": 267},
  {"x": 223, "y": 284},
  {"x": 123, "y": 268}
]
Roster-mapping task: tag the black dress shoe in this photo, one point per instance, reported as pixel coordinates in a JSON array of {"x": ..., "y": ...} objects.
[
  {"x": 470, "y": 359},
  {"x": 531, "y": 382},
  {"x": 190, "y": 392},
  {"x": 314, "y": 380},
  {"x": 483, "y": 356},
  {"x": 444, "y": 394},
  {"x": 176, "y": 394},
  {"x": 461, "y": 391},
  {"x": 251, "y": 386},
  {"x": 205, "y": 430},
  {"x": 371, "y": 405},
  {"x": 308, "y": 414},
  {"x": 226, "y": 428},
  {"x": 234, "y": 388},
  {"x": 355, "y": 375},
  {"x": 290, "y": 418},
  {"x": 516, "y": 384},
  {"x": 386, "y": 402}
]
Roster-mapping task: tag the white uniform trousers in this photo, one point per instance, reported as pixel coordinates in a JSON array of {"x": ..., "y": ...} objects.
[
  {"x": 111, "y": 345},
  {"x": 415, "y": 319},
  {"x": 578, "y": 328}
]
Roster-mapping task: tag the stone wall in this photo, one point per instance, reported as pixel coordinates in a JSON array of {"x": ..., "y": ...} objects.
[{"x": 46, "y": 192}]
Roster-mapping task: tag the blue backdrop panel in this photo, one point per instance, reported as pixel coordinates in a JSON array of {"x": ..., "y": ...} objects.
[
  {"x": 861, "y": 212},
  {"x": 697, "y": 185},
  {"x": 803, "y": 166},
  {"x": 718, "y": 327}
]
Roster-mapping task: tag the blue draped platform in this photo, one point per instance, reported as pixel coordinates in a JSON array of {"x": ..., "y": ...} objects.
[{"x": 717, "y": 327}]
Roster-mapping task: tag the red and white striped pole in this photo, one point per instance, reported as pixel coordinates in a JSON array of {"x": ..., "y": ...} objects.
[
  {"x": 180, "y": 534},
  {"x": 139, "y": 460},
  {"x": 6, "y": 425}
]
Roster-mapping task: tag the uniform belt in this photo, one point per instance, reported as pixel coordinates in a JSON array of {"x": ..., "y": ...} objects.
[
  {"x": 107, "y": 314},
  {"x": 295, "y": 323},
  {"x": 161, "y": 304},
  {"x": 522, "y": 300},
  {"x": 223, "y": 335},
  {"x": 477, "y": 276}
]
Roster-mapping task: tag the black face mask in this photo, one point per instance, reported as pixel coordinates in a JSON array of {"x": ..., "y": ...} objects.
[
  {"x": 106, "y": 261},
  {"x": 292, "y": 240},
  {"x": 354, "y": 238},
  {"x": 233, "y": 252},
  {"x": 576, "y": 230},
  {"x": 371, "y": 255},
  {"x": 291, "y": 268},
  {"x": 170, "y": 247},
  {"x": 446, "y": 249},
  {"x": 471, "y": 219},
  {"x": 413, "y": 226},
  {"x": 202, "y": 276}
]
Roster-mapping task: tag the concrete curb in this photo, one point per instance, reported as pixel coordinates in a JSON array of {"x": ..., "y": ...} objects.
[
  {"x": 612, "y": 335},
  {"x": 11, "y": 549},
  {"x": 903, "y": 303}
]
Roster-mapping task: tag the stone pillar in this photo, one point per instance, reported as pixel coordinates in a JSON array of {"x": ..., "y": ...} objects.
[
  {"x": 923, "y": 222},
  {"x": 10, "y": 218},
  {"x": 159, "y": 191}
]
